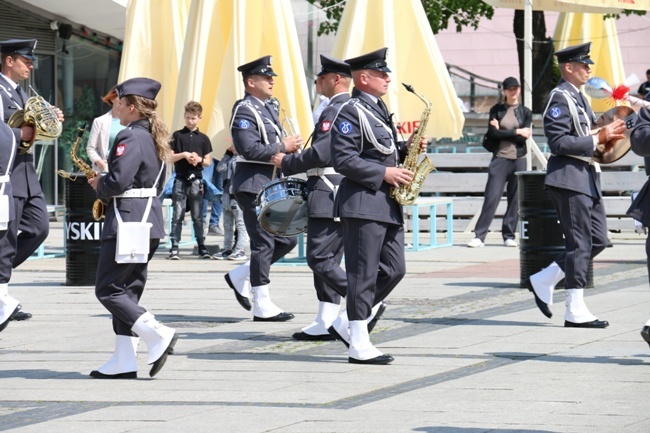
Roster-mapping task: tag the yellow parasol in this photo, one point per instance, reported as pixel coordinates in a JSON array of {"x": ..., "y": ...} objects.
[
  {"x": 577, "y": 28},
  {"x": 413, "y": 56},
  {"x": 224, "y": 34},
  {"x": 153, "y": 43}
]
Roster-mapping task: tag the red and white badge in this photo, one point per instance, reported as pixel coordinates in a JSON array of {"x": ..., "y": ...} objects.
[
  {"x": 325, "y": 126},
  {"x": 120, "y": 149}
]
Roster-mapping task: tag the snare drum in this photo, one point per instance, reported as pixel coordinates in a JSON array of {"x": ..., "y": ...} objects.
[{"x": 281, "y": 207}]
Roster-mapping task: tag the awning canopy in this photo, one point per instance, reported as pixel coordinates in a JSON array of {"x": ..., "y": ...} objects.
[{"x": 553, "y": 5}]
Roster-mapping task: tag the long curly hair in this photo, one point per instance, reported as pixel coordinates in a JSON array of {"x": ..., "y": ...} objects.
[{"x": 147, "y": 108}]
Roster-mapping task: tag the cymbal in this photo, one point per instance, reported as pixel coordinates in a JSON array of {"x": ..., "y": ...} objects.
[{"x": 614, "y": 150}]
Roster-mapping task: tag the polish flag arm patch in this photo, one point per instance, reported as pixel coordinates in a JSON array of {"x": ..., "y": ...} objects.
[
  {"x": 325, "y": 125},
  {"x": 120, "y": 149}
]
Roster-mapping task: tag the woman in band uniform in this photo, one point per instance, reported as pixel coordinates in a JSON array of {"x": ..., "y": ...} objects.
[{"x": 135, "y": 168}]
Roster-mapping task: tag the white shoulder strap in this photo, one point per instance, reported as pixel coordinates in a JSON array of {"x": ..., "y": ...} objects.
[
  {"x": 6, "y": 176},
  {"x": 145, "y": 216},
  {"x": 258, "y": 120},
  {"x": 366, "y": 129}
]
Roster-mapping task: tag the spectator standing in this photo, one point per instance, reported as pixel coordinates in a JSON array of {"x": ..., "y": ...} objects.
[
  {"x": 509, "y": 125},
  {"x": 233, "y": 218},
  {"x": 213, "y": 191},
  {"x": 192, "y": 151},
  {"x": 103, "y": 132}
]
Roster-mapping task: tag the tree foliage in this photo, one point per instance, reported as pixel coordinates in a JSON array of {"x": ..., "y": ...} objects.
[{"x": 440, "y": 13}]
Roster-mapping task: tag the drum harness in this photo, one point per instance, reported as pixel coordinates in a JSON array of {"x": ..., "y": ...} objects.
[
  {"x": 573, "y": 110},
  {"x": 260, "y": 128}
]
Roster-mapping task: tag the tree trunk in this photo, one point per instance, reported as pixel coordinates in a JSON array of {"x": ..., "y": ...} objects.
[{"x": 543, "y": 62}]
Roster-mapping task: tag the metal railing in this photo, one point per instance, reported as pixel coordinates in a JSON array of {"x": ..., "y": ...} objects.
[{"x": 477, "y": 92}]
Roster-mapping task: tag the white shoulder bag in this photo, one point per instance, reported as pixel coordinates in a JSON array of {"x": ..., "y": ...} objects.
[
  {"x": 4, "y": 179},
  {"x": 133, "y": 237}
]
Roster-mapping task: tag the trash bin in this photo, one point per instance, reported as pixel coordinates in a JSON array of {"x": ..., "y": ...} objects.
[
  {"x": 540, "y": 234},
  {"x": 82, "y": 233}
]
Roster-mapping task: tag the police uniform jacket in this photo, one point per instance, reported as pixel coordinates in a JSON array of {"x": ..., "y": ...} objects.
[
  {"x": 132, "y": 163},
  {"x": 255, "y": 169},
  {"x": 565, "y": 139},
  {"x": 24, "y": 179},
  {"x": 640, "y": 141},
  {"x": 321, "y": 196},
  {"x": 363, "y": 193},
  {"x": 7, "y": 142},
  {"x": 524, "y": 118}
]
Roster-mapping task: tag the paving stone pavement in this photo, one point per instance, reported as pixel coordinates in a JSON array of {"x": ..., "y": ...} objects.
[{"x": 472, "y": 353}]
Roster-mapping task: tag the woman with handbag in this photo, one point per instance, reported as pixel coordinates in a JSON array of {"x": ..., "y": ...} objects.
[
  {"x": 509, "y": 127},
  {"x": 132, "y": 229}
]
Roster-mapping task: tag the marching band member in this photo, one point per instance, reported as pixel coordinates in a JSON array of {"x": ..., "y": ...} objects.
[
  {"x": 256, "y": 135},
  {"x": 9, "y": 306},
  {"x": 325, "y": 240},
  {"x": 640, "y": 209},
  {"x": 365, "y": 149},
  {"x": 135, "y": 167},
  {"x": 573, "y": 183},
  {"x": 31, "y": 225}
]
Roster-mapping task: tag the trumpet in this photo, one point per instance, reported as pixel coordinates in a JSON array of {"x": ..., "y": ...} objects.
[{"x": 288, "y": 125}]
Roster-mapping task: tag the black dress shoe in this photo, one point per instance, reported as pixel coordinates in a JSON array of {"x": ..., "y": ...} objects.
[
  {"x": 128, "y": 375},
  {"x": 303, "y": 336},
  {"x": 21, "y": 315},
  {"x": 378, "y": 360},
  {"x": 373, "y": 322},
  {"x": 334, "y": 333},
  {"x": 593, "y": 324},
  {"x": 243, "y": 301},
  {"x": 4, "y": 324},
  {"x": 158, "y": 364},
  {"x": 543, "y": 306},
  {"x": 645, "y": 333},
  {"x": 282, "y": 317}
]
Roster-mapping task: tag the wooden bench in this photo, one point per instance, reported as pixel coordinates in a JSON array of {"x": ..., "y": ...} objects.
[{"x": 463, "y": 176}]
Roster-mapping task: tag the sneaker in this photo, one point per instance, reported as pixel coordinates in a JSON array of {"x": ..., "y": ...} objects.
[
  {"x": 223, "y": 255},
  {"x": 173, "y": 254},
  {"x": 238, "y": 256},
  {"x": 215, "y": 230},
  {"x": 510, "y": 243},
  {"x": 475, "y": 243},
  {"x": 204, "y": 253}
]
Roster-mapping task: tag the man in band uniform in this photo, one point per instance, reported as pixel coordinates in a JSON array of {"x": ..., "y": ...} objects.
[
  {"x": 31, "y": 218},
  {"x": 257, "y": 136},
  {"x": 366, "y": 150},
  {"x": 325, "y": 239},
  {"x": 573, "y": 182}
]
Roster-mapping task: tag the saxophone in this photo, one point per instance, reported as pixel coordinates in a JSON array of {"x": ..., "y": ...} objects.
[
  {"x": 39, "y": 114},
  {"x": 99, "y": 207},
  {"x": 407, "y": 193}
]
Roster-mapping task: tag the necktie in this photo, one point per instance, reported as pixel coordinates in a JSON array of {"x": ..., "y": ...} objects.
[
  {"x": 19, "y": 90},
  {"x": 583, "y": 100},
  {"x": 383, "y": 108}
]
